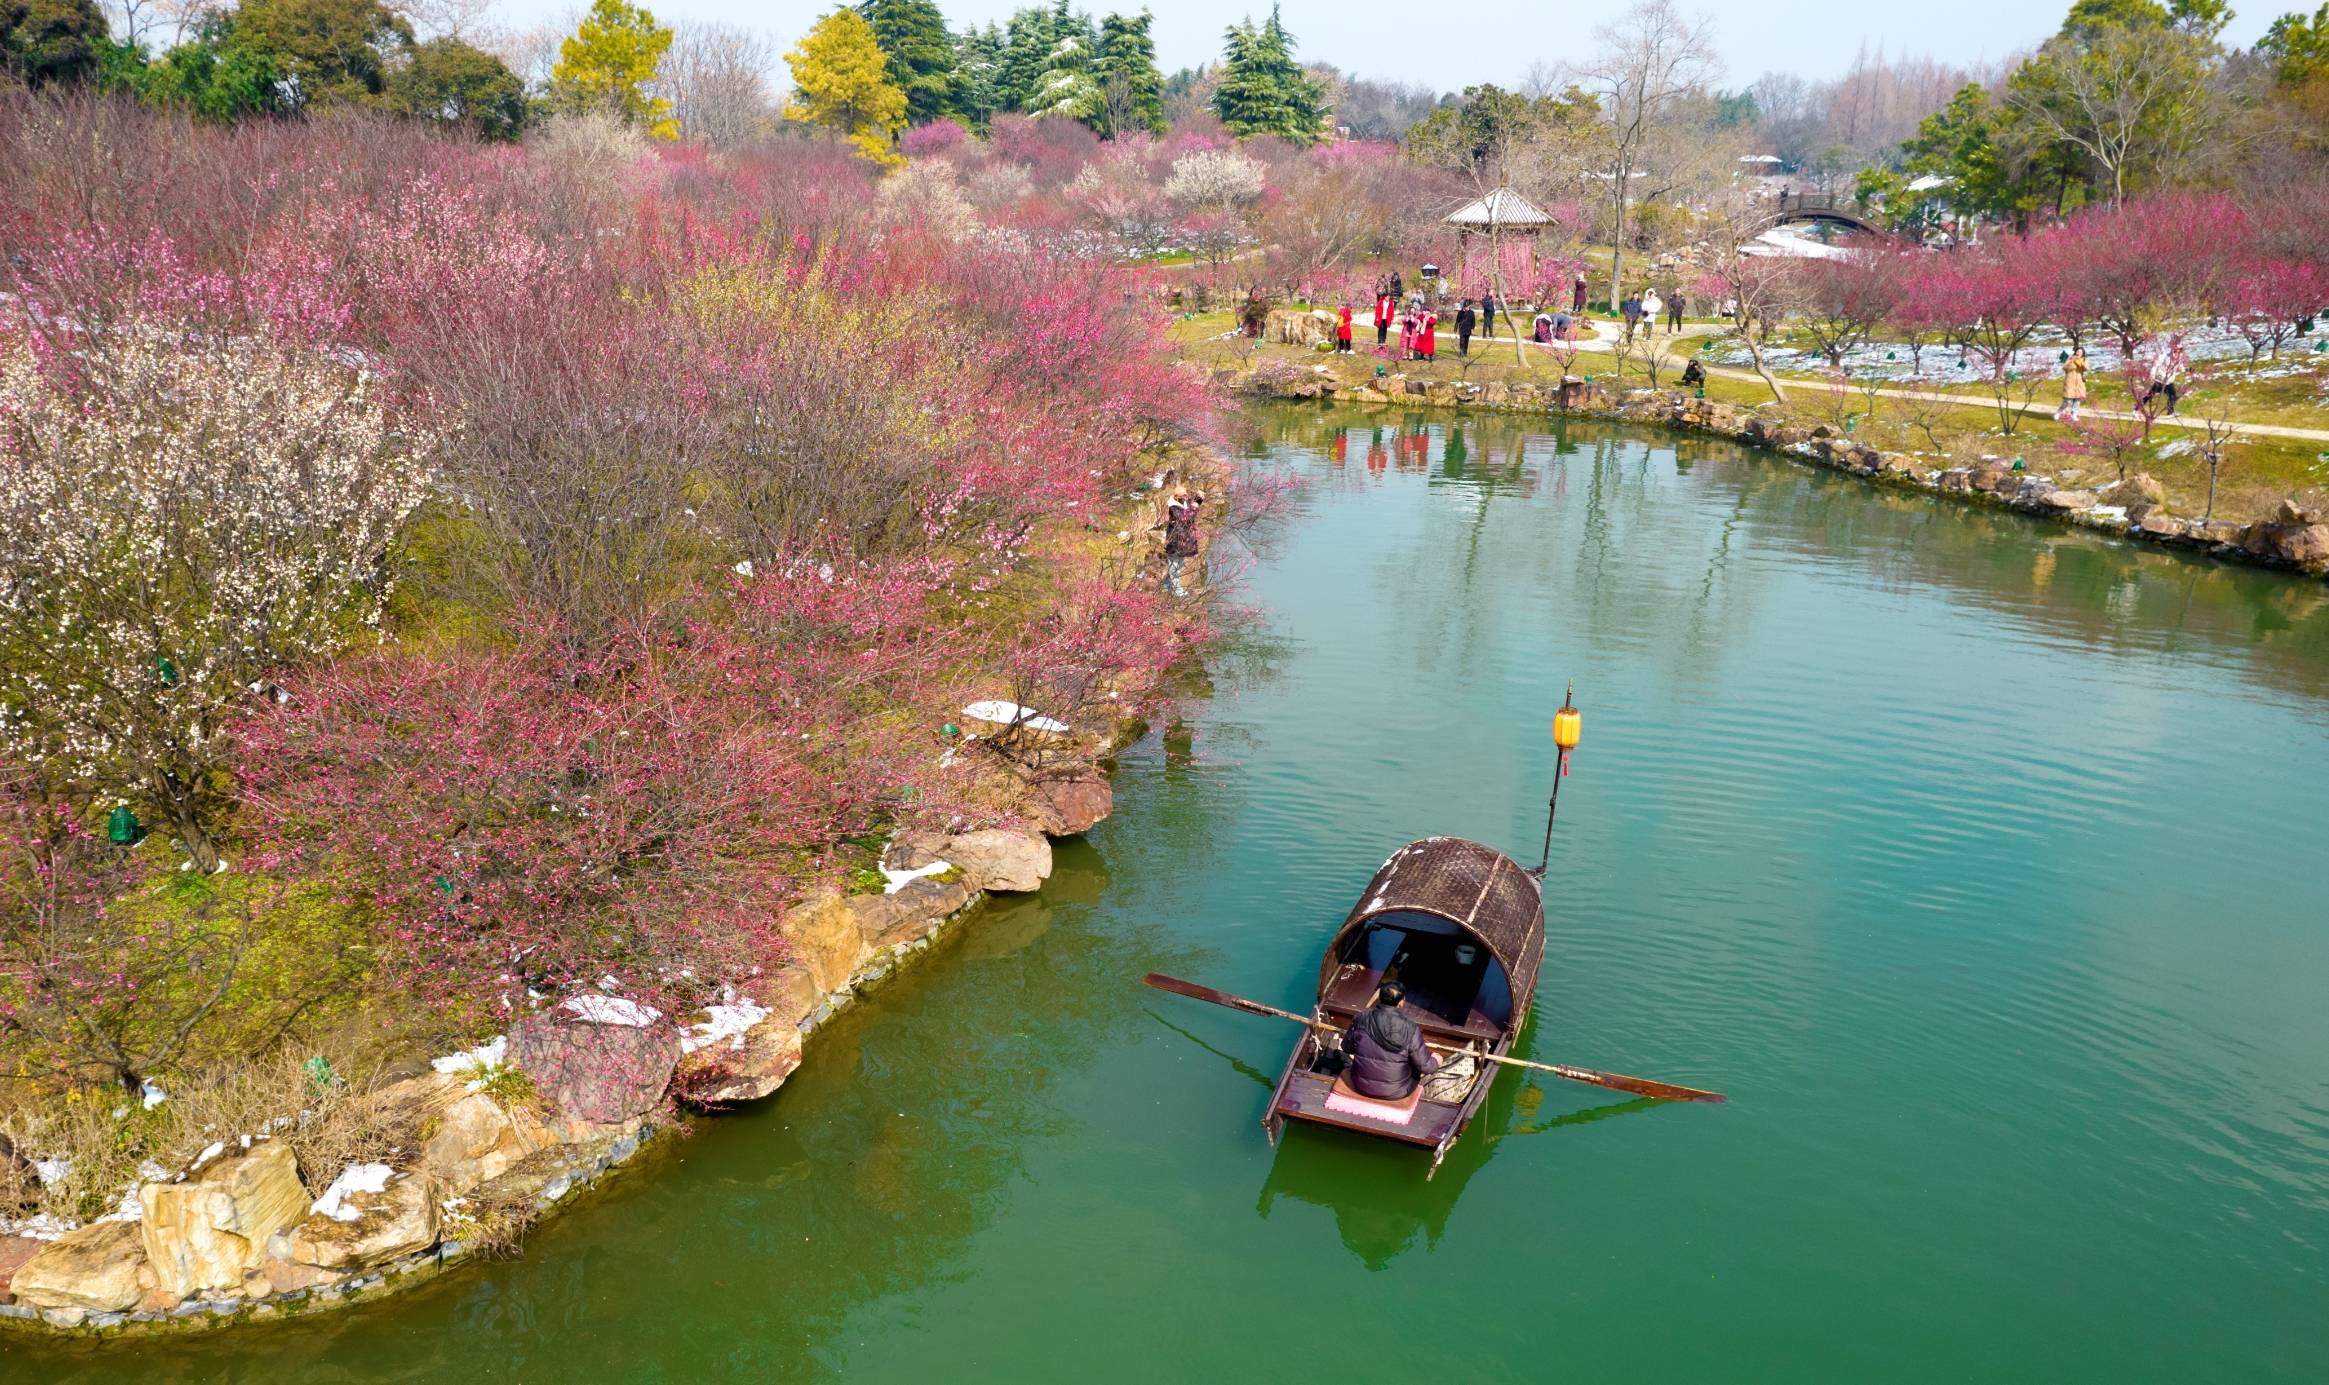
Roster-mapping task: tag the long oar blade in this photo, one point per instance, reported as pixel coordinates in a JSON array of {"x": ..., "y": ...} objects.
[
  {"x": 1235, "y": 1002},
  {"x": 1639, "y": 1086}
]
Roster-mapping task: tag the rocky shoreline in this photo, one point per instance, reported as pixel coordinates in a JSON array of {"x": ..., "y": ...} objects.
[
  {"x": 482, "y": 1154},
  {"x": 2293, "y": 539}
]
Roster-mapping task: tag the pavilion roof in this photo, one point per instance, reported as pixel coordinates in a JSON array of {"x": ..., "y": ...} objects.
[{"x": 1501, "y": 208}]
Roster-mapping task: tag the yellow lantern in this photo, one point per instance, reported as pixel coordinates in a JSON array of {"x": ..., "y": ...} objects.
[{"x": 1566, "y": 724}]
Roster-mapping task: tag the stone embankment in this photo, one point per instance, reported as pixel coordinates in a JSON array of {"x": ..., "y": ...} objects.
[
  {"x": 2294, "y": 538},
  {"x": 491, "y": 1140}
]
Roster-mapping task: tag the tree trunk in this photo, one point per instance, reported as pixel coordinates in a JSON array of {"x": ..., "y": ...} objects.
[
  {"x": 179, "y": 802},
  {"x": 1617, "y": 248}
]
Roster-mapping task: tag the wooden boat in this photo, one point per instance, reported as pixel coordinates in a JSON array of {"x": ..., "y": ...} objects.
[{"x": 1462, "y": 927}]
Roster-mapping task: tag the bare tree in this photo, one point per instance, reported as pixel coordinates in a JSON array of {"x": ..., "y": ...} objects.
[
  {"x": 717, "y": 79},
  {"x": 1754, "y": 284},
  {"x": 461, "y": 19},
  {"x": 1650, "y": 61},
  {"x": 2130, "y": 99}
]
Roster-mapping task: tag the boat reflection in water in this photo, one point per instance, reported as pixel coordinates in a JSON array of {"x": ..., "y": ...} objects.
[{"x": 1379, "y": 1204}]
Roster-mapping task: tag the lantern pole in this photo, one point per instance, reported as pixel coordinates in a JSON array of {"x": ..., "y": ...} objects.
[{"x": 1565, "y": 729}]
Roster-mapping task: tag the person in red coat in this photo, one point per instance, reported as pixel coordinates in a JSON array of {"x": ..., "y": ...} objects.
[
  {"x": 1342, "y": 329},
  {"x": 1427, "y": 336},
  {"x": 1383, "y": 311}
]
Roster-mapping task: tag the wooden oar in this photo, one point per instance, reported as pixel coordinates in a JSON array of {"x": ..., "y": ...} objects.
[{"x": 1639, "y": 1086}]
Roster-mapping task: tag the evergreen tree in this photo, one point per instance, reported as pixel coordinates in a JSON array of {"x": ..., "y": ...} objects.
[
  {"x": 608, "y": 63},
  {"x": 208, "y": 74},
  {"x": 921, "y": 53},
  {"x": 456, "y": 83},
  {"x": 1033, "y": 36},
  {"x": 841, "y": 81},
  {"x": 1131, "y": 88},
  {"x": 52, "y": 41},
  {"x": 329, "y": 52},
  {"x": 1263, "y": 90},
  {"x": 979, "y": 59},
  {"x": 1067, "y": 88}
]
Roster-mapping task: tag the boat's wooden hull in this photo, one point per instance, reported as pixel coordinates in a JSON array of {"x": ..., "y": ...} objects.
[{"x": 1301, "y": 1095}]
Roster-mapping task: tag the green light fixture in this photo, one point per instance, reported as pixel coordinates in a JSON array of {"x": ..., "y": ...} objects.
[{"x": 121, "y": 827}]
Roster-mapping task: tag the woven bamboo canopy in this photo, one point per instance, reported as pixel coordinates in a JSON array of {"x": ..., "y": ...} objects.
[{"x": 1501, "y": 211}]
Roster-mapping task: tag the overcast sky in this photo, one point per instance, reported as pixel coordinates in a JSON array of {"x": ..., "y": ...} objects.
[{"x": 1449, "y": 46}]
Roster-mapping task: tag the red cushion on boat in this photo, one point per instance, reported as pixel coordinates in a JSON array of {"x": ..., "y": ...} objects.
[{"x": 1347, "y": 1100}]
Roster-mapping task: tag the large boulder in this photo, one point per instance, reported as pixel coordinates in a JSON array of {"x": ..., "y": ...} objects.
[
  {"x": 2063, "y": 501},
  {"x": 599, "y": 1065},
  {"x": 477, "y": 1138},
  {"x": 1071, "y": 807},
  {"x": 1000, "y": 860},
  {"x": 885, "y": 920},
  {"x": 2138, "y": 489},
  {"x": 361, "y": 1229},
  {"x": 92, "y": 1270},
  {"x": 2289, "y": 512},
  {"x": 1294, "y": 327},
  {"x": 14, "y": 1252},
  {"x": 205, "y": 1234},
  {"x": 722, "y": 1067},
  {"x": 823, "y": 935}
]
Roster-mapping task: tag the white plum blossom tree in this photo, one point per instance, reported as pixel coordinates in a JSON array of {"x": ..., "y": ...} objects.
[{"x": 182, "y": 515}]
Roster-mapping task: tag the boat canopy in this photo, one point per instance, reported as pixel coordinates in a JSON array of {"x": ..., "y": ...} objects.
[{"x": 1479, "y": 889}]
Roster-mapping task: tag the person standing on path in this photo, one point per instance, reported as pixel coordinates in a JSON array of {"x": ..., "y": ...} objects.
[
  {"x": 1631, "y": 308},
  {"x": 2073, "y": 384},
  {"x": 1383, "y": 302},
  {"x": 1674, "y": 313},
  {"x": 1577, "y": 294},
  {"x": 2164, "y": 368},
  {"x": 1427, "y": 336},
  {"x": 1180, "y": 526},
  {"x": 1466, "y": 320},
  {"x": 1488, "y": 313},
  {"x": 1342, "y": 330},
  {"x": 1398, "y": 286},
  {"x": 1652, "y": 305}
]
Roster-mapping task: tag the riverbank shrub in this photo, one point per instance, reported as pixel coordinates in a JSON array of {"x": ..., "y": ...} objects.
[{"x": 558, "y": 552}]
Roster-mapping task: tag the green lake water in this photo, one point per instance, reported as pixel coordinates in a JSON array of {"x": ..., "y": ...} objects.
[{"x": 1981, "y": 862}]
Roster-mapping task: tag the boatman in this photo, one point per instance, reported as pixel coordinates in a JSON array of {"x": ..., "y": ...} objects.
[{"x": 1387, "y": 1053}]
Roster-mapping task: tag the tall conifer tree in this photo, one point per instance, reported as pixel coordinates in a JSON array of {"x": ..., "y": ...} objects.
[
  {"x": 921, "y": 53},
  {"x": 1131, "y": 88},
  {"x": 1263, "y": 90}
]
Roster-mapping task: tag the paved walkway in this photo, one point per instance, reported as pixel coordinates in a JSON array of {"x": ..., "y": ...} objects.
[{"x": 1606, "y": 333}]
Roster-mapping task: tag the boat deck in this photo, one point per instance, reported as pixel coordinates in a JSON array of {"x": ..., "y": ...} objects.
[{"x": 1305, "y": 1099}]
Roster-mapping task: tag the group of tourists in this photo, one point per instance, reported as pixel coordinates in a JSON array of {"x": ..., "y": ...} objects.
[{"x": 1642, "y": 310}]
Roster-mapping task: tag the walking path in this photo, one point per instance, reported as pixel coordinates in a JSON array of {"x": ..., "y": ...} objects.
[{"x": 1606, "y": 334}]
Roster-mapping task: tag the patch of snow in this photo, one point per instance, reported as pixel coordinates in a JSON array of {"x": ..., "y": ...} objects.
[
  {"x": 899, "y": 879},
  {"x": 722, "y": 1023},
  {"x": 210, "y": 1152},
  {"x": 356, "y": 1178},
  {"x": 52, "y": 1171},
  {"x": 610, "y": 1009},
  {"x": 129, "y": 1209},
  {"x": 41, "y": 1228},
  {"x": 490, "y": 1054},
  {"x": 152, "y": 1095},
  {"x": 2176, "y": 448},
  {"x": 744, "y": 569},
  {"x": 1012, "y": 714}
]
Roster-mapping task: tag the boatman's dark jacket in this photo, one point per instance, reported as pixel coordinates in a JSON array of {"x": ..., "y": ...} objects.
[{"x": 1387, "y": 1054}]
